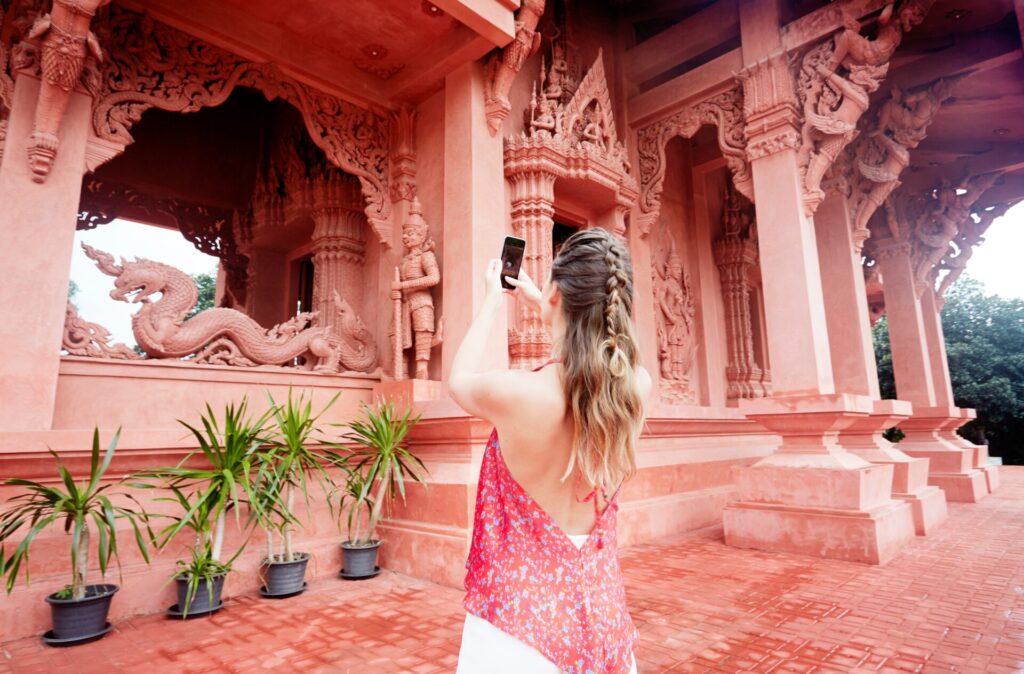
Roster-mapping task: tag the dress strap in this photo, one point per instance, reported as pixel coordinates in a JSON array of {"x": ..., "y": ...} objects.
[{"x": 543, "y": 365}]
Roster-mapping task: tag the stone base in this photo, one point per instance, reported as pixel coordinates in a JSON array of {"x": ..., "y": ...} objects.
[
  {"x": 963, "y": 487},
  {"x": 871, "y": 537},
  {"x": 951, "y": 464},
  {"x": 928, "y": 507},
  {"x": 991, "y": 477}
]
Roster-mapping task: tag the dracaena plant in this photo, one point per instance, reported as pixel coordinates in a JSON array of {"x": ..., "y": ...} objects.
[
  {"x": 291, "y": 461},
  {"x": 78, "y": 508},
  {"x": 379, "y": 463}
]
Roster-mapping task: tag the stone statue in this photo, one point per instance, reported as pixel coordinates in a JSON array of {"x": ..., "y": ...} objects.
[
  {"x": 227, "y": 336},
  {"x": 594, "y": 130},
  {"x": 83, "y": 338},
  {"x": 502, "y": 69},
  {"x": 554, "y": 88},
  {"x": 971, "y": 234},
  {"x": 418, "y": 273},
  {"x": 677, "y": 345}
]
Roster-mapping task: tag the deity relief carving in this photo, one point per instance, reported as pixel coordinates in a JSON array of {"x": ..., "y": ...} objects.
[
  {"x": 414, "y": 324},
  {"x": 503, "y": 67},
  {"x": 970, "y": 235},
  {"x": 884, "y": 152},
  {"x": 227, "y": 336},
  {"x": 834, "y": 83},
  {"x": 725, "y": 112},
  {"x": 676, "y": 315},
  {"x": 83, "y": 338},
  {"x": 152, "y": 65}
]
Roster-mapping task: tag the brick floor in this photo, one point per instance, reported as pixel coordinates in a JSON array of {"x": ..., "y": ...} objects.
[{"x": 951, "y": 602}]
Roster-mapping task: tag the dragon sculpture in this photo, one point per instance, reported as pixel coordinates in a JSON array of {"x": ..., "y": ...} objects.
[{"x": 227, "y": 336}]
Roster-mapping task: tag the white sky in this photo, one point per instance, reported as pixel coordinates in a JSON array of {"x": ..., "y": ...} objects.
[
  {"x": 122, "y": 238},
  {"x": 995, "y": 263}
]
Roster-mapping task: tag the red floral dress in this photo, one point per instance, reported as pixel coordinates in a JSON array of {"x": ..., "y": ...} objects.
[{"x": 527, "y": 578}]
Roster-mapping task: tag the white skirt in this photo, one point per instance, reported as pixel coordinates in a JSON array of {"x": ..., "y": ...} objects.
[{"x": 487, "y": 650}]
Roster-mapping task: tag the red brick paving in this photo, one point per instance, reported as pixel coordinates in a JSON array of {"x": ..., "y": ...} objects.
[{"x": 951, "y": 602}]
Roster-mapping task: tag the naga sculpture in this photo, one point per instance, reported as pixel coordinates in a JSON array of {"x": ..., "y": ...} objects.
[
  {"x": 971, "y": 234},
  {"x": 227, "y": 336},
  {"x": 84, "y": 338},
  {"x": 503, "y": 68}
]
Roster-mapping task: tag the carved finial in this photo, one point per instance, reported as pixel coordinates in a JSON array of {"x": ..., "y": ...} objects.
[{"x": 104, "y": 261}]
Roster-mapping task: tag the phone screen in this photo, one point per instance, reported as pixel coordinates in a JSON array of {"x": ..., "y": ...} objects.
[{"x": 511, "y": 258}]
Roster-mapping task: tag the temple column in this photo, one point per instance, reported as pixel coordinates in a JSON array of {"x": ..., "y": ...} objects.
[
  {"x": 950, "y": 467},
  {"x": 37, "y": 231},
  {"x": 533, "y": 212},
  {"x": 474, "y": 198},
  {"x": 811, "y": 495},
  {"x": 853, "y": 365},
  {"x": 339, "y": 249},
  {"x": 931, "y": 313}
]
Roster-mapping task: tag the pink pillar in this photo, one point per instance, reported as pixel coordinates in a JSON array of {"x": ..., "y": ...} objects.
[
  {"x": 37, "y": 230},
  {"x": 853, "y": 363},
  {"x": 931, "y": 313},
  {"x": 811, "y": 496},
  {"x": 951, "y": 467},
  {"x": 474, "y": 207}
]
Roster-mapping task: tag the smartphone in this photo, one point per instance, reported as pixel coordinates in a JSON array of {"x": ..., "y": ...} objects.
[{"x": 511, "y": 259}]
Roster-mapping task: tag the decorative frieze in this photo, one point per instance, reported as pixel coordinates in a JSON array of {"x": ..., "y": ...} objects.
[{"x": 503, "y": 66}]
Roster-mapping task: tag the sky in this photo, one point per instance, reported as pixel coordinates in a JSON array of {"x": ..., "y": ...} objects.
[{"x": 996, "y": 263}]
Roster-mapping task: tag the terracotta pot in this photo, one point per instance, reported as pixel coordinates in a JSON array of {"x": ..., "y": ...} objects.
[
  {"x": 359, "y": 561},
  {"x": 81, "y": 619}
]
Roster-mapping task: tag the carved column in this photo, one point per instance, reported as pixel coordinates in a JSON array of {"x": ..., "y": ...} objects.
[
  {"x": 339, "y": 248},
  {"x": 950, "y": 467},
  {"x": 811, "y": 496},
  {"x": 533, "y": 211}
]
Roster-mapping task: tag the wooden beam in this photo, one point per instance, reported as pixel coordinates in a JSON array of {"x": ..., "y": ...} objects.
[
  {"x": 971, "y": 53},
  {"x": 692, "y": 85},
  {"x": 490, "y": 19},
  {"x": 1007, "y": 156},
  {"x": 419, "y": 80},
  {"x": 660, "y": 9},
  {"x": 819, "y": 23},
  {"x": 685, "y": 40}
]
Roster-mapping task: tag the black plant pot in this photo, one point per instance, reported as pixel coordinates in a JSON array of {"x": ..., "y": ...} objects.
[
  {"x": 359, "y": 561},
  {"x": 201, "y": 602},
  {"x": 80, "y": 620},
  {"x": 284, "y": 579}
]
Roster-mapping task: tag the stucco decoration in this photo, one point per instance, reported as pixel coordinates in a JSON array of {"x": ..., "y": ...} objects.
[
  {"x": 676, "y": 314},
  {"x": 735, "y": 256},
  {"x": 725, "y": 112},
  {"x": 83, "y": 338},
  {"x": 152, "y": 65},
  {"x": 213, "y": 231},
  {"x": 503, "y": 66},
  {"x": 403, "y": 155},
  {"x": 971, "y": 233},
  {"x": 570, "y": 133},
  {"x": 883, "y": 153},
  {"x": 835, "y": 80},
  {"x": 226, "y": 336},
  {"x": 415, "y": 276}
]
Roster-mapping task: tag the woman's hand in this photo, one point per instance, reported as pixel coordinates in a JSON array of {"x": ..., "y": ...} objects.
[
  {"x": 526, "y": 288},
  {"x": 492, "y": 278}
]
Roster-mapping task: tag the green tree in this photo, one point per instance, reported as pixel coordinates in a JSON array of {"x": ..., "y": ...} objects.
[
  {"x": 207, "y": 285},
  {"x": 985, "y": 346},
  {"x": 72, "y": 292}
]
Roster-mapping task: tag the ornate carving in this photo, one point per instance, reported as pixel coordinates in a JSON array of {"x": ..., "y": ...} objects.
[
  {"x": 503, "y": 67},
  {"x": 213, "y": 231},
  {"x": 403, "y": 155},
  {"x": 725, "y": 111},
  {"x": 152, "y": 65},
  {"x": 225, "y": 335},
  {"x": 835, "y": 79},
  {"x": 735, "y": 256},
  {"x": 66, "y": 42},
  {"x": 970, "y": 235},
  {"x": 417, "y": 273},
  {"x": 6, "y": 83},
  {"x": 82, "y": 338},
  {"x": 676, "y": 313},
  {"x": 373, "y": 63},
  {"x": 883, "y": 153}
]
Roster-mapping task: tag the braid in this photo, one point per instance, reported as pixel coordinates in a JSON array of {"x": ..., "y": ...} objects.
[{"x": 616, "y": 285}]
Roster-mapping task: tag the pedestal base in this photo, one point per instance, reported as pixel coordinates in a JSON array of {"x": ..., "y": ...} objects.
[
  {"x": 928, "y": 508},
  {"x": 964, "y": 488},
  {"x": 951, "y": 466},
  {"x": 991, "y": 477},
  {"x": 979, "y": 452}
]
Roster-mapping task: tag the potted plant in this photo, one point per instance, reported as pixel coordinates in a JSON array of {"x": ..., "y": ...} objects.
[
  {"x": 79, "y": 610},
  {"x": 380, "y": 466},
  {"x": 205, "y": 494},
  {"x": 289, "y": 462}
]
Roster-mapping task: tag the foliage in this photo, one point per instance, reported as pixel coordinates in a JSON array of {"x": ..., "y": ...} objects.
[
  {"x": 985, "y": 347},
  {"x": 288, "y": 462},
  {"x": 207, "y": 285},
  {"x": 201, "y": 570},
  {"x": 73, "y": 505},
  {"x": 380, "y": 458},
  {"x": 72, "y": 293},
  {"x": 204, "y": 493}
]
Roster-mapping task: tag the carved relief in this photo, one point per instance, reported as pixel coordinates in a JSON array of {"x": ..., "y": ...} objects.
[
  {"x": 675, "y": 315},
  {"x": 216, "y": 232},
  {"x": 970, "y": 235},
  {"x": 835, "y": 80},
  {"x": 227, "y": 336},
  {"x": 152, "y": 65},
  {"x": 403, "y": 155},
  {"x": 6, "y": 83},
  {"x": 725, "y": 111},
  {"x": 416, "y": 275},
  {"x": 883, "y": 153},
  {"x": 735, "y": 256},
  {"x": 503, "y": 67},
  {"x": 82, "y": 338}
]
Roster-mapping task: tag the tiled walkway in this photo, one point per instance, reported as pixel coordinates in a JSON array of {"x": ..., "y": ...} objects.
[{"x": 953, "y": 601}]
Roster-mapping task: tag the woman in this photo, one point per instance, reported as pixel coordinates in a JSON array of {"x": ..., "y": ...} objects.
[{"x": 544, "y": 590}]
